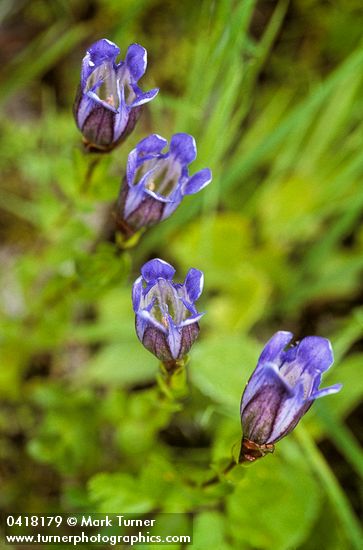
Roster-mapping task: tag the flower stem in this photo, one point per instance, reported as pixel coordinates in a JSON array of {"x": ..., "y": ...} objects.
[
  {"x": 89, "y": 172},
  {"x": 126, "y": 241},
  {"x": 172, "y": 379},
  {"x": 217, "y": 478}
]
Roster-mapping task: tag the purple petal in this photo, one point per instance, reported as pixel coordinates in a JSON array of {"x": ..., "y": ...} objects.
[
  {"x": 258, "y": 412},
  {"x": 136, "y": 294},
  {"x": 101, "y": 51},
  {"x": 144, "y": 315},
  {"x": 198, "y": 181},
  {"x": 315, "y": 354},
  {"x": 136, "y": 61},
  {"x": 183, "y": 148},
  {"x": 82, "y": 109},
  {"x": 171, "y": 206},
  {"x": 156, "y": 268},
  {"x": 156, "y": 196},
  {"x": 174, "y": 339},
  {"x": 152, "y": 144},
  {"x": 189, "y": 335},
  {"x": 145, "y": 97},
  {"x": 288, "y": 415},
  {"x": 268, "y": 376},
  {"x": 98, "y": 127},
  {"x": 274, "y": 349},
  {"x": 142, "y": 210},
  {"x": 122, "y": 117},
  {"x": 326, "y": 391},
  {"x": 131, "y": 166},
  {"x": 156, "y": 342},
  {"x": 191, "y": 320},
  {"x": 194, "y": 284}
]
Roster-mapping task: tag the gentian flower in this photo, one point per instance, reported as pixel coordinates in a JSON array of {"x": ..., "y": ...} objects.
[
  {"x": 156, "y": 182},
  {"x": 166, "y": 319},
  {"x": 108, "y": 101},
  {"x": 281, "y": 390}
]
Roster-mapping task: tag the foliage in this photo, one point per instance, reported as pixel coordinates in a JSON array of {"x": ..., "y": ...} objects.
[{"x": 272, "y": 93}]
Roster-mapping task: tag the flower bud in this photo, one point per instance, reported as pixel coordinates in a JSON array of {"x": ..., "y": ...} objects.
[
  {"x": 109, "y": 102},
  {"x": 166, "y": 319},
  {"x": 281, "y": 390},
  {"x": 156, "y": 182}
]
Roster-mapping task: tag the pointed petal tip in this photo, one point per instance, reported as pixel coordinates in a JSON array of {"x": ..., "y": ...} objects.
[{"x": 326, "y": 391}]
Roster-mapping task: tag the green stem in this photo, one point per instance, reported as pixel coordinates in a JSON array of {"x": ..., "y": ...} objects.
[
  {"x": 333, "y": 489},
  {"x": 172, "y": 380},
  {"x": 217, "y": 478},
  {"x": 125, "y": 242},
  {"x": 89, "y": 172}
]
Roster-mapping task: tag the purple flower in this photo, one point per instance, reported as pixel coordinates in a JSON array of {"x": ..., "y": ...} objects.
[
  {"x": 166, "y": 319},
  {"x": 108, "y": 101},
  {"x": 156, "y": 182},
  {"x": 281, "y": 389}
]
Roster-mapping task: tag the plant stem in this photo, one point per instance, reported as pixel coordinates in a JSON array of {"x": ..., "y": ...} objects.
[
  {"x": 217, "y": 477},
  {"x": 172, "y": 380},
  {"x": 89, "y": 173}
]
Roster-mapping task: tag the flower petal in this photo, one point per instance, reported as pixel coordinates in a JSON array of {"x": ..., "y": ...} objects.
[
  {"x": 174, "y": 339},
  {"x": 326, "y": 391},
  {"x": 172, "y": 205},
  {"x": 315, "y": 353},
  {"x": 288, "y": 415},
  {"x": 192, "y": 320},
  {"x": 156, "y": 342},
  {"x": 131, "y": 166},
  {"x": 136, "y": 61},
  {"x": 269, "y": 376},
  {"x": 142, "y": 210},
  {"x": 156, "y": 268},
  {"x": 189, "y": 334},
  {"x": 98, "y": 127},
  {"x": 194, "y": 284},
  {"x": 136, "y": 293},
  {"x": 274, "y": 349},
  {"x": 156, "y": 196},
  {"x": 197, "y": 182},
  {"x": 144, "y": 97},
  {"x": 183, "y": 148},
  {"x": 145, "y": 316},
  {"x": 101, "y": 51},
  {"x": 152, "y": 144},
  {"x": 260, "y": 406}
]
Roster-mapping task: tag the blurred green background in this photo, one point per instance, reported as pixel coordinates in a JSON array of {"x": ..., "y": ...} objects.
[{"x": 272, "y": 92}]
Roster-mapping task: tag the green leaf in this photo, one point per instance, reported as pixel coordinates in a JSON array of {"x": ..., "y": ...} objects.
[
  {"x": 209, "y": 531},
  {"x": 114, "y": 492},
  {"x": 274, "y": 505},
  {"x": 220, "y": 368}
]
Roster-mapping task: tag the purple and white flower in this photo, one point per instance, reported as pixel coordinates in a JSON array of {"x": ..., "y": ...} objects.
[
  {"x": 108, "y": 101},
  {"x": 166, "y": 318},
  {"x": 156, "y": 182},
  {"x": 281, "y": 390}
]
